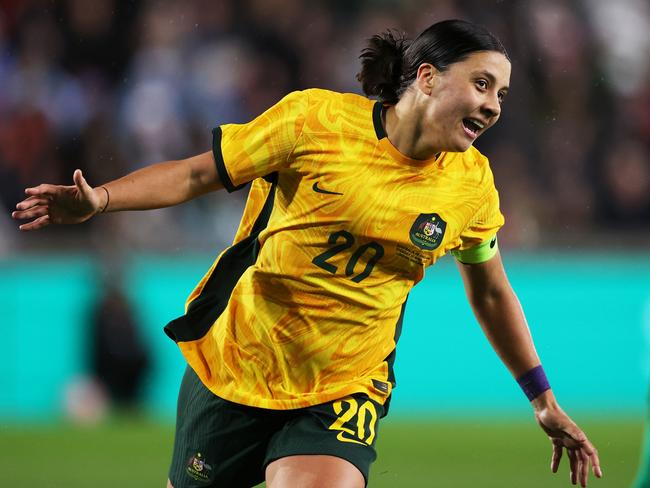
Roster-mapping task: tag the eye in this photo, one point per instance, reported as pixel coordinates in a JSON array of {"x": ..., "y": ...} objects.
[
  {"x": 482, "y": 84},
  {"x": 501, "y": 96}
]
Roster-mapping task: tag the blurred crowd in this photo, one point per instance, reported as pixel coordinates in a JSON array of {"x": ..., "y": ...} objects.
[{"x": 109, "y": 86}]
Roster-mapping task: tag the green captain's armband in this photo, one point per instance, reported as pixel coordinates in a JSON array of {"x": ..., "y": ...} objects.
[{"x": 478, "y": 254}]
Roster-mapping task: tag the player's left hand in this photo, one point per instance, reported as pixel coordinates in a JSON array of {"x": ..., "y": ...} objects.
[{"x": 565, "y": 434}]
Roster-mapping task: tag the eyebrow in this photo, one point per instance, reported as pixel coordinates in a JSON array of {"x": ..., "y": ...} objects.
[{"x": 492, "y": 79}]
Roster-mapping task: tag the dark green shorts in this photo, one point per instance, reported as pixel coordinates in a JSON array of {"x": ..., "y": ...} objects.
[{"x": 223, "y": 444}]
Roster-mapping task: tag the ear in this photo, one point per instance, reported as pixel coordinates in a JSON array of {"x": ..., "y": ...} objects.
[{"x": 426, "y": 77}]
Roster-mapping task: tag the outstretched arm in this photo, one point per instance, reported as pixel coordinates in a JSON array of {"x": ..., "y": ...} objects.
[
  {"x": 498, "y": 311},
  {"x": 156, "y": 186}
]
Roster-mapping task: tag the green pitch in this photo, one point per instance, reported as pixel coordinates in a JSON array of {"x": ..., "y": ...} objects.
[{"x": 453, "y": 454}]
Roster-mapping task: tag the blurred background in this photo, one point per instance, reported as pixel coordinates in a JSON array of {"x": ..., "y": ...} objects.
[{"x": 110, "y": 86}]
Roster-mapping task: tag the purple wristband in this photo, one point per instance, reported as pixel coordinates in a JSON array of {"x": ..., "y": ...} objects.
[{"x": 534, "y": 382}]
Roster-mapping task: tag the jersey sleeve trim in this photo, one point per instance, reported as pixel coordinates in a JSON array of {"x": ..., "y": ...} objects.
[
  {"x": 221, "y": 165},
  {"x": 478, "y": 254}
]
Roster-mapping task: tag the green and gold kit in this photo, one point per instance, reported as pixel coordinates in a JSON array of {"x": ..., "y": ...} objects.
[{"x": 306, "y": 306}]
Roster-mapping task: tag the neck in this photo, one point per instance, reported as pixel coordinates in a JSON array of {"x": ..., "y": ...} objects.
[{"x": 404, "y": 129}]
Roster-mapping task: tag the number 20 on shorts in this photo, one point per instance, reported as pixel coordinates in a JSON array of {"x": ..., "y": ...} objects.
[{"x": 366, "y": 420}]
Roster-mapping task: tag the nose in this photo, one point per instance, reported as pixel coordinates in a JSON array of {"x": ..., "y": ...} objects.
[{"x": 491, "y": 106}]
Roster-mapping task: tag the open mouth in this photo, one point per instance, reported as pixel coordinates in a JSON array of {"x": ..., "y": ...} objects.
[{"x": 472, "y": 127}]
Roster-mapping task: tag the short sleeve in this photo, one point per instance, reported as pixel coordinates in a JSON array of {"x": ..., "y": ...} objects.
[
  {"x": 478, "y": 240},
  {"x": 244, "y": 152}
]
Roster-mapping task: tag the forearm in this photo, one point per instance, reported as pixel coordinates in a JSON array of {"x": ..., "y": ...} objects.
[
  {"x": 504, "y": 324},
  {"x": 503, "y": 321},
  {"x": 159, "y": 185}
]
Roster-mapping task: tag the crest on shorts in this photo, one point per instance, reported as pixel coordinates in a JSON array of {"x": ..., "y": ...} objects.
[
  {"x": 427, "y": 231},
  {"x": 198, "y": 469}
]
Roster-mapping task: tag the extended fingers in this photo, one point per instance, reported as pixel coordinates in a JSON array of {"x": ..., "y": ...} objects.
[
  {"x": 36, "y": 224},
  {"x": 595, "y": 466},
  {"x": 41, "y": 190},
  {"x": 573, "y": 466},
  {"x": 579, "y": 466},
  {"x": 592, "y": 455},
  {"x": 557, "y": 456},
  {"x": 31, "y": 212},
  {"x": 584, "y": 467},
  {"x": 32, "y": 202}
]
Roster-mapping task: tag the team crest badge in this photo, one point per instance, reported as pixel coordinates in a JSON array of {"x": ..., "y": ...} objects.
[
  {"x": 198, "y": 469},
  {"x": 427, "y": 231}
]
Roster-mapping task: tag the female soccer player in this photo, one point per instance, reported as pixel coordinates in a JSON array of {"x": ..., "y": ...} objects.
[{"x": 290, "y": 336}]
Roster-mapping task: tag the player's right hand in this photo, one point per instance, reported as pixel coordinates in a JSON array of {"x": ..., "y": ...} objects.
[{"x": 58, "y": 204}]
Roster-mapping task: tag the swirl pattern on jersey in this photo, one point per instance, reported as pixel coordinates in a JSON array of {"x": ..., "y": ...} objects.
[{"x": 337, "y": 229}]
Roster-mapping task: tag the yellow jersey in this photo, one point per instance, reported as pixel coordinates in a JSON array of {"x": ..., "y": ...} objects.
[{"x": 306, "y": 306}]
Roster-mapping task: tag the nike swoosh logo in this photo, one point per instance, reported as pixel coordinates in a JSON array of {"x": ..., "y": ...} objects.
[{"x": 320, "y": 190}]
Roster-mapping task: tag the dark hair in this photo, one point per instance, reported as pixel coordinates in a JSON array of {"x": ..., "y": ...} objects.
[{"x": 390, "y": 62}]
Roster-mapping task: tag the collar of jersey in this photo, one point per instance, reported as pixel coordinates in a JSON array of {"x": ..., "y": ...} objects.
[{"x": 377, "y": 116}]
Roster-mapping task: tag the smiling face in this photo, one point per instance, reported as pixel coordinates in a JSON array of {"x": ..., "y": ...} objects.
[{"x": 463, "y": 101}]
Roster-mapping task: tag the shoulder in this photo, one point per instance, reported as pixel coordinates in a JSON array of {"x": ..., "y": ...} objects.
[
  {"x": 320, "y": 96},
  {"x": 332, "y": 111},
  {"x": 336, "y": 103},
  {"x": 477, "y": 165},
  {"x": 312, "y": 98},
  {"x": 471, "y": 167}
]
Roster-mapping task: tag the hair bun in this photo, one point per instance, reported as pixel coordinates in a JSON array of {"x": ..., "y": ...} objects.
[{"x": 381, "y": 65}]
